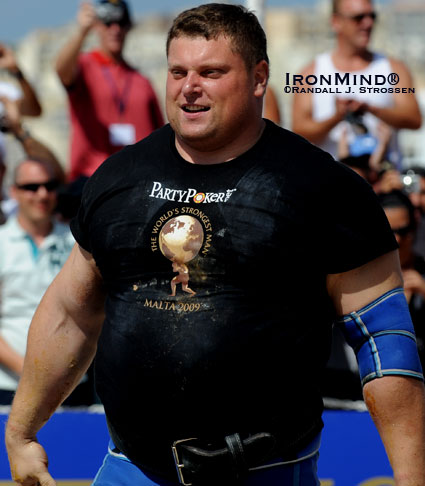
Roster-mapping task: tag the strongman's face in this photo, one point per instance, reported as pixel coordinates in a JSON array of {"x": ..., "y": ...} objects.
[{"x": 211, "y": 95}]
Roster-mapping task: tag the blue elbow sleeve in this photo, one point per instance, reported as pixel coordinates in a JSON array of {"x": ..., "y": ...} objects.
[{"x": 383, "y": 338}]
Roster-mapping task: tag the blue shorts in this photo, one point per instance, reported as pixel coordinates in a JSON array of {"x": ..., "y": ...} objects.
[{"x": 117, "y": 470}]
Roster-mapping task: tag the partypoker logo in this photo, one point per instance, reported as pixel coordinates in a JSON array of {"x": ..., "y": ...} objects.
[{"x": 190, "y": 194}]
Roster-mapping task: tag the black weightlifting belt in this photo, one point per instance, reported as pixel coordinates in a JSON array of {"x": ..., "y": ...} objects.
[
  {"x": 228, "y": 465},
  {"x": 223, "y": 462}
]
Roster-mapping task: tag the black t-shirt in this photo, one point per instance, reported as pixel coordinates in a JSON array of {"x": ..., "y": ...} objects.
[{"x": 246, "y": 246}]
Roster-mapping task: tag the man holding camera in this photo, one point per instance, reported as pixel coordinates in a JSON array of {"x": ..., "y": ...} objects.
[
  {"x": 323, "y": 117},
  {"x": 111, "y": 104}
]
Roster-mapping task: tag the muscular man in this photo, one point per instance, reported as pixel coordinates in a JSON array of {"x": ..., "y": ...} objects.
[
  {"x": 320, "y": 116},
  {"x": 111, "y": 104},
  {"x": 223, "y": 384}
]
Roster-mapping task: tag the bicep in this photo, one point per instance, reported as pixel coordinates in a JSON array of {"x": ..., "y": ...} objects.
[
  {"x": 77, "y": 291},
  {"x": 352, "y": 290}
]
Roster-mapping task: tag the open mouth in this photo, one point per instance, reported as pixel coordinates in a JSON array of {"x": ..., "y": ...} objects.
[{"x": 194, "y": 108}]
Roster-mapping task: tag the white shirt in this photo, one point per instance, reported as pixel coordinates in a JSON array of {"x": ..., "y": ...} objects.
[
  {"x": 25, "y": 273},
  {"x": 324, "y": 103}
]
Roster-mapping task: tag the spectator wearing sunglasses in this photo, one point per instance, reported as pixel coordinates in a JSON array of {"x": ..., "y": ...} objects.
[
  {"x": 31, "y": 147},
  {"x": 401, "y": 216},
  {"x": 111, "y": 104},
  {"x": 33, "y": 248},
  {"x": 322, "y": 118}
]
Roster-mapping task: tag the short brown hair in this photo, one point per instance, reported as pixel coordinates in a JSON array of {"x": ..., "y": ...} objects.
[{"x": 212, "y": 20}]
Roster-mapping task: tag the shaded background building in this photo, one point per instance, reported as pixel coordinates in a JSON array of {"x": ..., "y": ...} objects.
[{"x": 295, "y": 34}]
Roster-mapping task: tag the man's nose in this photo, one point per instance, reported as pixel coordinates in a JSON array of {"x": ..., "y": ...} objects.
[
  {"x": 42, "y": 191},
  {"x": 191, "y": 84}
]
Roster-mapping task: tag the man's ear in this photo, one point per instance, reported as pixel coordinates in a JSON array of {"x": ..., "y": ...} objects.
[{"x": 261, "y": 77}]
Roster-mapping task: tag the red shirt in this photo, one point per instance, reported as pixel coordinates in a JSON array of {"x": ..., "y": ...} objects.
[{"x": 105, "y": 93}]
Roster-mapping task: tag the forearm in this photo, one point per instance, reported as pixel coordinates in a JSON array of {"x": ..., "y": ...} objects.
[
  {"x": 61, "y": 343},
  {"x": 10, "y": 358},
  {"x": 67, "y": 60},
  {"x": 315, "y": 131},
  {"x": 29, "y": 104},
  {"x": 397, "y": 406},
  {"x": 378, "y": 156},
  {"x": 58, "y": 355},
  {"x": 36, "y": 149}
]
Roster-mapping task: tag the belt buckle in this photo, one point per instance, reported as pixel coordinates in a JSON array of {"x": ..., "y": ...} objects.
[{"x": 180, "y": 466}]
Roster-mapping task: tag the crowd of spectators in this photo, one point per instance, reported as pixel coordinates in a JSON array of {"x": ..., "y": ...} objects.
[
  {"x": 112, "y": 105},
  {"x": 360, "y": 129}
]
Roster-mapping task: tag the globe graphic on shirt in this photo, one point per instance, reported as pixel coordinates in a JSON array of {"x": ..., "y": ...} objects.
[{"x": 181, "y": 239}]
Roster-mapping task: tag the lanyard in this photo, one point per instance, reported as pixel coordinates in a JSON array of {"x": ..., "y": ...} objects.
[{"x": 120, "y": 100}]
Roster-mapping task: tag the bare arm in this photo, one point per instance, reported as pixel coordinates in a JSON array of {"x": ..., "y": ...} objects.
[
  {"x": 28, "y": 104},
  {"x": 61, "y": 345},
  {"x": 66, "y": 62},
  {"x": 405, "y": 113},
  {"x": 396, "y": 404},
  {"x": 302, "y": 114},
  {"x": 32, "y": 146},
  {"x": 384, "y": 133}
]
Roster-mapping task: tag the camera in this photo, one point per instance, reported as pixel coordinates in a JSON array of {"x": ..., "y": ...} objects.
[
  {"x": 354, "y": 117},
  {"x": 110, "y": 13},
  {"x": 410, "y": 181}
]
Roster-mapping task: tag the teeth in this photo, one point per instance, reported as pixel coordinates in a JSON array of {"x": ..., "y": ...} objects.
[{"x": 195, "y": 108}]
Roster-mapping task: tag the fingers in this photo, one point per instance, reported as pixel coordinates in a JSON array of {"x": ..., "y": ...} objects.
[
  {"x": 46, "y": 480},
  {"x": 86, "y": 16},
  {"x": 42, "y": 479}
]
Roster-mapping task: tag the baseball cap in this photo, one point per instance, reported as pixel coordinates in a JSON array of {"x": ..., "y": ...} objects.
[{"x": 109, "y": 11}]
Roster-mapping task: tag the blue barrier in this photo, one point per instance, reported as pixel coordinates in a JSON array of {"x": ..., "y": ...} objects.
[{"x": 351, "y": 454}]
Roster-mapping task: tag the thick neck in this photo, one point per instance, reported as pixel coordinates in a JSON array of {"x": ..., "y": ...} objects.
[{"x": 227, "y": 151}]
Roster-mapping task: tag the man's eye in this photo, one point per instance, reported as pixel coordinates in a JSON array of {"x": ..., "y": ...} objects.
[
  {"x": 212, "y": 73},
  {"x": 177, "y": 74}
]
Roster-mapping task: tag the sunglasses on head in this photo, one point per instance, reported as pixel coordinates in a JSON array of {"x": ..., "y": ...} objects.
[
  {"x": 50, "y": 186},
  {"x": 359, "y": 17},
  {"x": 403, "y": 231}
]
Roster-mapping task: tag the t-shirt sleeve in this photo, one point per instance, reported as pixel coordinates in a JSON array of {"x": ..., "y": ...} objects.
[
  {"x": 79, "y": 224},
  {"x": 353, "y": 226},
  {"x": 96, "y": 189}
]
